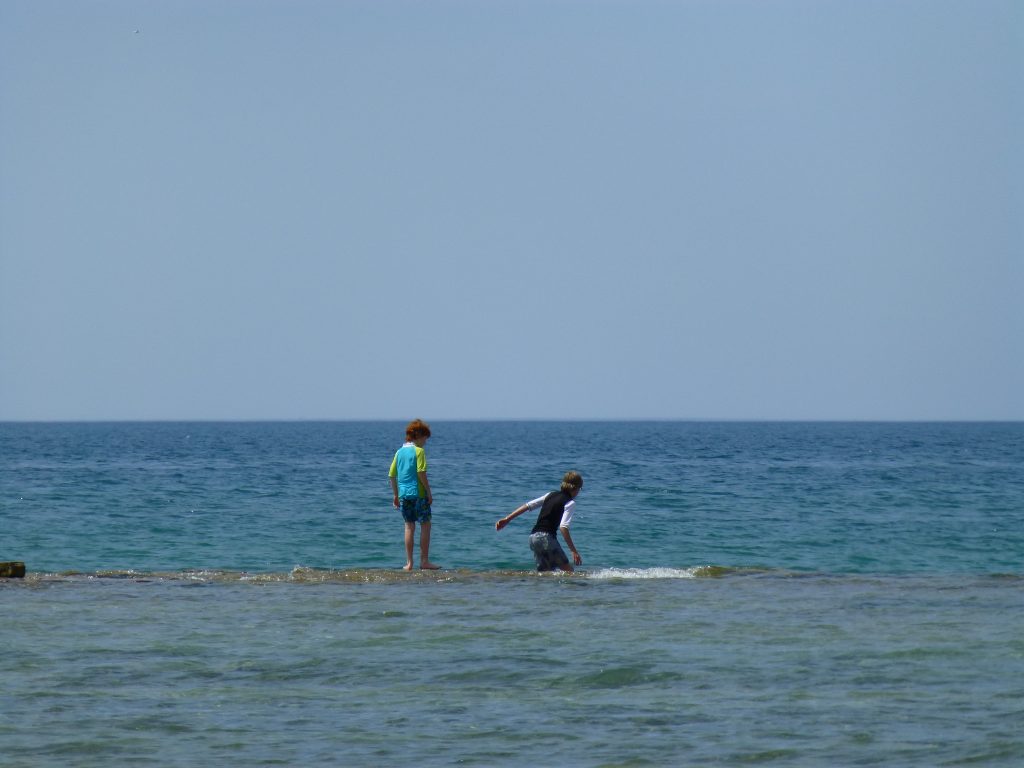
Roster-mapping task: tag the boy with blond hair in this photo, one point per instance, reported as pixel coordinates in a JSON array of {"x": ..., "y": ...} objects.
[{"x": 556, "y": 512}]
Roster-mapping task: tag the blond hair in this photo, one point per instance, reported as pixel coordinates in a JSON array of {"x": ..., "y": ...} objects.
[{"x": 572, "y": 481}]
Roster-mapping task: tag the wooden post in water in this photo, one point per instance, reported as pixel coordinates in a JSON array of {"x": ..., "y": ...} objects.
[{"x": 12, "y": 570}]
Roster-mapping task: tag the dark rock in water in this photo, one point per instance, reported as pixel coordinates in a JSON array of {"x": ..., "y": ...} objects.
[{"x": 12, "y": 570}]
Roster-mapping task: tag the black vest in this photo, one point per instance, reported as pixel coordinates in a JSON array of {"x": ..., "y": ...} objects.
[{"x": 551, "y": 513}]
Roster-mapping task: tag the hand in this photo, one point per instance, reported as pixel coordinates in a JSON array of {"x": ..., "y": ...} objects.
[
  {"x": 501, "y": 524},
  {"x": 576, "y": 558},
  {"x": 395, "y": 501}
]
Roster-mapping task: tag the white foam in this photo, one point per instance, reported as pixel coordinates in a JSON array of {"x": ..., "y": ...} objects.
[{"x": 644, "y": 573}]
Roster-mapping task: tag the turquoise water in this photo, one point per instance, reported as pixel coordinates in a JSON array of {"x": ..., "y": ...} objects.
[{"x": 780, "y": 594}]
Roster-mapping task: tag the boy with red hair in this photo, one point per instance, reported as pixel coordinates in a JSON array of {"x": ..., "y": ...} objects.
[{"x": 408, "y": 475}]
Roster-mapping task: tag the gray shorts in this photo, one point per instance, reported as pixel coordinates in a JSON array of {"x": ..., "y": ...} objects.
[{"x": 547, "y": 552}]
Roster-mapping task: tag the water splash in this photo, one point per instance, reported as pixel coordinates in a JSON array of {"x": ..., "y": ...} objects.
[{"x": 694, "y": 572}]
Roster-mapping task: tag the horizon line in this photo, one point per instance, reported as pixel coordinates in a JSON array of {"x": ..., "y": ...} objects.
[{"x": 522, "y": 419}]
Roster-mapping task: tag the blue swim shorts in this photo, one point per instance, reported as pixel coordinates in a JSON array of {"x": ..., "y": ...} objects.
[
  {"x": 415, "y": 509},
  {"x": 547, "y": 552}
]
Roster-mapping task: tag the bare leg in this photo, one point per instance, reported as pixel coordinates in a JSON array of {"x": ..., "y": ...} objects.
[
  {"x": 425, "y": 548},
  {"x": 410, "y": 535}
]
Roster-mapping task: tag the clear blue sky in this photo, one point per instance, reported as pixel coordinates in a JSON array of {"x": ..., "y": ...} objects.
[{"x": 277, "y": 209}]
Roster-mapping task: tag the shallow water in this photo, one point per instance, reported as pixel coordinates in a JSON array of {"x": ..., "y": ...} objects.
[{"x": 513, "y": 669}]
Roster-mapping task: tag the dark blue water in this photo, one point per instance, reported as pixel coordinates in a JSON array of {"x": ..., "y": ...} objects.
[
  {"x": 780, "y": 594},
  {"x": 841, "y": 498}
]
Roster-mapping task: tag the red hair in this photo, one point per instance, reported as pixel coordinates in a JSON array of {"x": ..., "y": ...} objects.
[{"x": 417, "y": 429}]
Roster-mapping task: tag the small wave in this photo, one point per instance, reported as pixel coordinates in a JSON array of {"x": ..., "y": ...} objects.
[{"x": 695, "y": 572}]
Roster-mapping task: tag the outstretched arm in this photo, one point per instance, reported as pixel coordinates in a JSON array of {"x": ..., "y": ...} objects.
[{"x": 509, "y": 518}]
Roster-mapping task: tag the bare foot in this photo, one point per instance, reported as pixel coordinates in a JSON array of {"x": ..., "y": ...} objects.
[
  {"x": 407, "y": 567},
  {"x": 428, "y": 566}
]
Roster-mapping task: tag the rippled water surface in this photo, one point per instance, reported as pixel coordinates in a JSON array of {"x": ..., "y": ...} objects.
[{"x": 783, "y": 594}]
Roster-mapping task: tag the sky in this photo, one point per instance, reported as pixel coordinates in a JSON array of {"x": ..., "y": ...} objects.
[{"x": 539, "y": 209}]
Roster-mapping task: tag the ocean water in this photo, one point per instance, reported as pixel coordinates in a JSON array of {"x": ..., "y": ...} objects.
[{"x": 752, "y": 594}]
